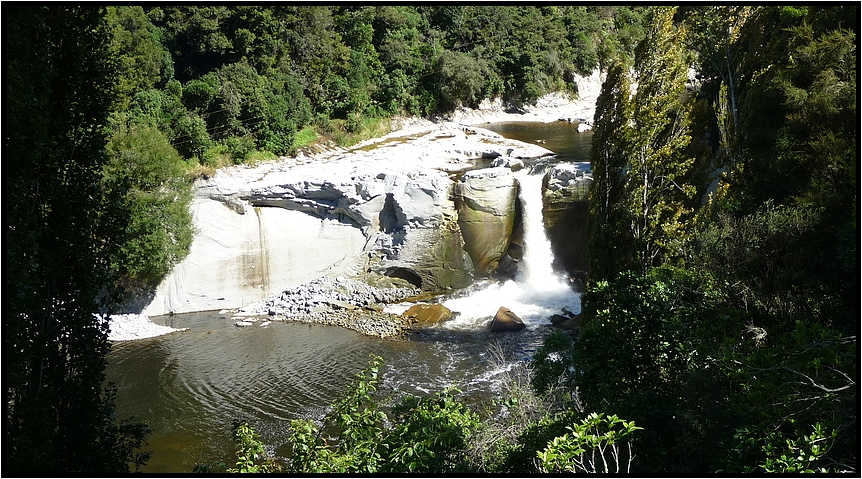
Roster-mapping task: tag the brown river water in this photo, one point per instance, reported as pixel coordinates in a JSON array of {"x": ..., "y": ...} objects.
[{"x": 189, "y": 387}]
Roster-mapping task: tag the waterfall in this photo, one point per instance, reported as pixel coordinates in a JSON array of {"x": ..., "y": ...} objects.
[
  {"x": 537, "y": 292},
  {"x": 535, "y": 272}
]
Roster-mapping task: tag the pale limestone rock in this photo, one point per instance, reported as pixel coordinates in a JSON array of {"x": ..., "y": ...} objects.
[
  {"x": 129, "y": 327},
  {"x": 236, "y": 259}
]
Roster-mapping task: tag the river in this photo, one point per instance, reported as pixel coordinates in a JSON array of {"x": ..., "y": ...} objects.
[{"x": 189, "y": 387}]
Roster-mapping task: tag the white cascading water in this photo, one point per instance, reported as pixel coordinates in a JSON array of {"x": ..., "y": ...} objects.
[{"x": 537, "y": 292}]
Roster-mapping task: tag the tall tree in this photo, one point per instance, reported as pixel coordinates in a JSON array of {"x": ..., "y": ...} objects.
[
  {"x": 796, "y": 176},
  {"x": 655, "y": 192},
  {"x": 57, "y": 90},
  {"x": 610, "y": 243}
]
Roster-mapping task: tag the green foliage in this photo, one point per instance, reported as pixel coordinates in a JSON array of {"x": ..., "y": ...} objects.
[
  {"x": 360, "y": 425},
  {"x": 305, "y": 136},
  {"x": 429, "y": 434},
  {"x": 590, "y": 446},
  {"x": 423, "y": 435},
  {"x": 534, "y": 438},
  {"x": 552, "y": 363},
  {"x": 655, "y": 191},
  {"x": 610, "y": 243},
  {"x": 250, "y": 452},
  {"x": 58, "y": 86},
  {"x": 461, "y": 79},
  {"x": 760, "y": 260},
  {"x": 640, "y": 218},
  {"x": 192, "y": 137},
  {"x": 681, "y": 357},
  {"x": 808, "y": 369},
  {"x": 138, "y": 51},
  {"x": 239, "y": 147},
  {"x": 162, "y": 109},
  {"x": 519, "y": 422},
  {"x": 265, "y": 71},
  {"x": 641, "y": 354},
  {"x": 790, "y": 192},
  {"x": 145, "y": 178},
  {"x": 786, "y": 455}
]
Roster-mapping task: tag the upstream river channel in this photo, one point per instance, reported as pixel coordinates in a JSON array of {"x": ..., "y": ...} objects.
[{"x": 189, "y": 387}]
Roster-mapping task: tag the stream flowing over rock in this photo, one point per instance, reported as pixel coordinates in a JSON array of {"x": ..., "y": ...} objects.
[{"x": 418, "y": 210}]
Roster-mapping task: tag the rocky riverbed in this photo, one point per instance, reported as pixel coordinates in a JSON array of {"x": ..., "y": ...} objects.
[{"x": 339, "y": 301}]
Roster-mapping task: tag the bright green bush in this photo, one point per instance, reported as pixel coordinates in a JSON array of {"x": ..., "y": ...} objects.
[
  {"x": 593, "y": 445},
  {"x": 430, "y": 434},
  {"x": 422, "y": 435}
]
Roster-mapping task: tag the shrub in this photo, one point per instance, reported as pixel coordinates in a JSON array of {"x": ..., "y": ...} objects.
[
  {"x": 591, "y": 446},
  {"x": 145, "y": 177}
]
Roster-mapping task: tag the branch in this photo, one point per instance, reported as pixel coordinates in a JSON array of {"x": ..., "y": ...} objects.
[{"x": 820, "y": 386}]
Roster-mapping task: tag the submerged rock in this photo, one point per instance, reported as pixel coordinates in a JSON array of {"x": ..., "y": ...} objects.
[{"x": 427, "y": 314}]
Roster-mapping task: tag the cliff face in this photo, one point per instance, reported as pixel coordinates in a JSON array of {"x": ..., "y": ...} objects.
[{"x": 243, "y": 253}]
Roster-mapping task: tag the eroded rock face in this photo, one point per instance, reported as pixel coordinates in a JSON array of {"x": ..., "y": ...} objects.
[
  {"x": 236, "y": 259},
  {"x": 505, "y": 320},
  {"x": 565, "y": 208},
  {"x": 486, "y": 200},
  {"x": 432, "y": 259}
]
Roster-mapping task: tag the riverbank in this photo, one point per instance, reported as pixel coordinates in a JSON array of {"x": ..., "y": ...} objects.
[{"x": 557, "y": 106}]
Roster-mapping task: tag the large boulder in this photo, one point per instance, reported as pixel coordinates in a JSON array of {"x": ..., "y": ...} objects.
[
  {"x": 506, "y": 320},
  {"x": 565, "y": 208},
  {"x": 485, "y": 200}
]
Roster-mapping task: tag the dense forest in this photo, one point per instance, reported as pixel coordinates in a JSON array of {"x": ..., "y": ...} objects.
[{"x": 720, "y": 317}]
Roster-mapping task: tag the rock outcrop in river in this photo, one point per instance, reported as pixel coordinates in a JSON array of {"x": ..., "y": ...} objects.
[{"x": 486, "y": 200}]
